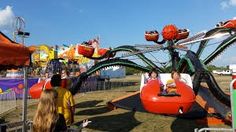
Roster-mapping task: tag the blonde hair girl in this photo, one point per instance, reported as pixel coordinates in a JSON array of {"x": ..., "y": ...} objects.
[{"x": 46, "y": 118}]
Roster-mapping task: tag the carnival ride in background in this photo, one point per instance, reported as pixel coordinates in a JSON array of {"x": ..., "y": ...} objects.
[
  {"x": 56, "y": 59},
  {"x": 175, "y": 41},
  {"x": 188, "y": 62}
]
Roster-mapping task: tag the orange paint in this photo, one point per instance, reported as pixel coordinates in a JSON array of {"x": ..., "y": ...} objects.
[
  {"x": 210, "y": 121},
  {"x": 102, "y": 51},
  {"x": 166, "y": 105},
  {"x": 13, "y": 54},
  {"x": 182, "y": 34},
  {"x": 36, "y": 89},
  {"x": 151, "y": 36},
  {"x": 85, "y": 50},
  {"x": 170, "y": 32},
  {"x": 20, "y": 86},
  {"x": 203, "y": 104},
  {"x": 230, "y": 24},
  {"x": 233, "y": 77}
]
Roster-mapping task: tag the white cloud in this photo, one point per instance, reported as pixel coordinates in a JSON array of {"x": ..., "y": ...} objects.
[
  {"x": 224, "y": 5},
  {"x": 6, "y": 18},
  {"x": 232, "y": 2},
  {"x": 227, "y": 3}
]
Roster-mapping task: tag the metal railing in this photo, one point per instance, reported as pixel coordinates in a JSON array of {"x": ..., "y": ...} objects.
[
  {"x": 94, "y": 84},
  {"x": 213, "y": 129},
  {"x": 7, "y": 102},
  {"x": 13, "y": 127},
  {"x": 18, "y": 127}
]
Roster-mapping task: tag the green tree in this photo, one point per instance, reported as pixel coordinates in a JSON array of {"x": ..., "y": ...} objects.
[
  {"x": 211, "y": 67},
  {"x": 131, "y": 71}
]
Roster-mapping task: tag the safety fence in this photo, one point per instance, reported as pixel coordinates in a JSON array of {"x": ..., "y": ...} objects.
[
  {"x": 13, "y": 127},
  {"x": 18, "y": 127},
  {"x": 8, "y": 101},
  {"x": 95, "y": 84}
]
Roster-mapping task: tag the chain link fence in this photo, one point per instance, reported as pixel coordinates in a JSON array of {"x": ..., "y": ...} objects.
[
  {"x": 18, "y": 126},
  {"x": 8, "y": 101},
  {"x": 95, "y": 84}
]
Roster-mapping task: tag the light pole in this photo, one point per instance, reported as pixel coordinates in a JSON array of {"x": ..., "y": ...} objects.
[
  {"x": 19, "y": 26},
  {"x": 19, "y": 31}
]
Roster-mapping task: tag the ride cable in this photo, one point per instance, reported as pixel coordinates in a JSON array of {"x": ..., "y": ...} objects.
[
  {"x": 130, "y": 49},
  {"x": 221, "y": 48},
  {"x": 208, "y": 34}
]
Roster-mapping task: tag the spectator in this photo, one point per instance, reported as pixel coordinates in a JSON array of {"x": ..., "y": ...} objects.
[
  {"x": 47, "y": 75},
  {"x": 46, "y": 118},
  {"x": 64, "y": 74},
  {"x": 44, "y": 77},
  {"x": 65, "y": 101}
]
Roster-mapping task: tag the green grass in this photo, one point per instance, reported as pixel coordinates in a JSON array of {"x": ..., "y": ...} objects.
[
  {"x": 128, "y": 78},
  {"x": 92, "y": 106}
]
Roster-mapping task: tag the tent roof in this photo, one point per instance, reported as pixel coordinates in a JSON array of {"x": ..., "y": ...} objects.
[{"x": 13, "y": 54}]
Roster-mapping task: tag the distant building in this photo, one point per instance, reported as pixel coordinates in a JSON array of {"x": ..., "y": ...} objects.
[
  {"x": 222, "y": 72},
  {"x": 232, "y": 67}
]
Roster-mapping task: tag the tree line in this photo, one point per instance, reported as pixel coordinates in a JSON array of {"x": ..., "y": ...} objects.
[{"x": 132, "y": 71}]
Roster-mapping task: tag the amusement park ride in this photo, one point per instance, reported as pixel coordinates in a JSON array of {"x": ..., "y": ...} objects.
[{"x": 174, "y": 41}]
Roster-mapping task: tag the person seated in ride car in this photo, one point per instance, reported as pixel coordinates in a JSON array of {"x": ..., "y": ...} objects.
[
  {"x": 170, "y": 84},
  {"x": 175, "y": 75},
  {"x": 153, "y": 75}
]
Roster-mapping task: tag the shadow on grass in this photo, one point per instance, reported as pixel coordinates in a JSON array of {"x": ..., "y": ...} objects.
[
  {"x": 2, "y": 120},
  {"x": 88, "y": 104},
  {"x": 94, "y": 111},
  {"x": 187, "y": 125},
  {"x": 187, "y": 122},
  {"x": 124, "y": 122},
  {"x": 196, "y": 112}
]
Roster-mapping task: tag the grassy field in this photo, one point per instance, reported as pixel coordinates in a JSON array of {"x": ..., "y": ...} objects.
[{"x": 92, "y": 106}]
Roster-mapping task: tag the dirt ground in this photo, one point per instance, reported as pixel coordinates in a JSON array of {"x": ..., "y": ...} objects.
[{"x": 92, "y": 106}]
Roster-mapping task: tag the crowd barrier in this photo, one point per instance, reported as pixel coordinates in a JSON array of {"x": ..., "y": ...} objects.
[{"x": 7, "y": 102}]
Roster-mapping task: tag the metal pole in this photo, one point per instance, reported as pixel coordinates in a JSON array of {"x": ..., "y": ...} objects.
[
  {"x": 25, "y": 96},
  {"x": 172, "y": 54},
  {"x": 23, "y": 41}
]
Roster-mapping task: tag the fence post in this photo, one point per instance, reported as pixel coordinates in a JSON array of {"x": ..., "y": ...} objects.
[
  {"x": 3, "y": 128},
  {"x": 109, "y": 83},
  {"x": 25, "y": 97}
]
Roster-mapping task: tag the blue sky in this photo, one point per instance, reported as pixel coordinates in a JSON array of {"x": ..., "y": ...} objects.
[{"x": 116, "y": 22}]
